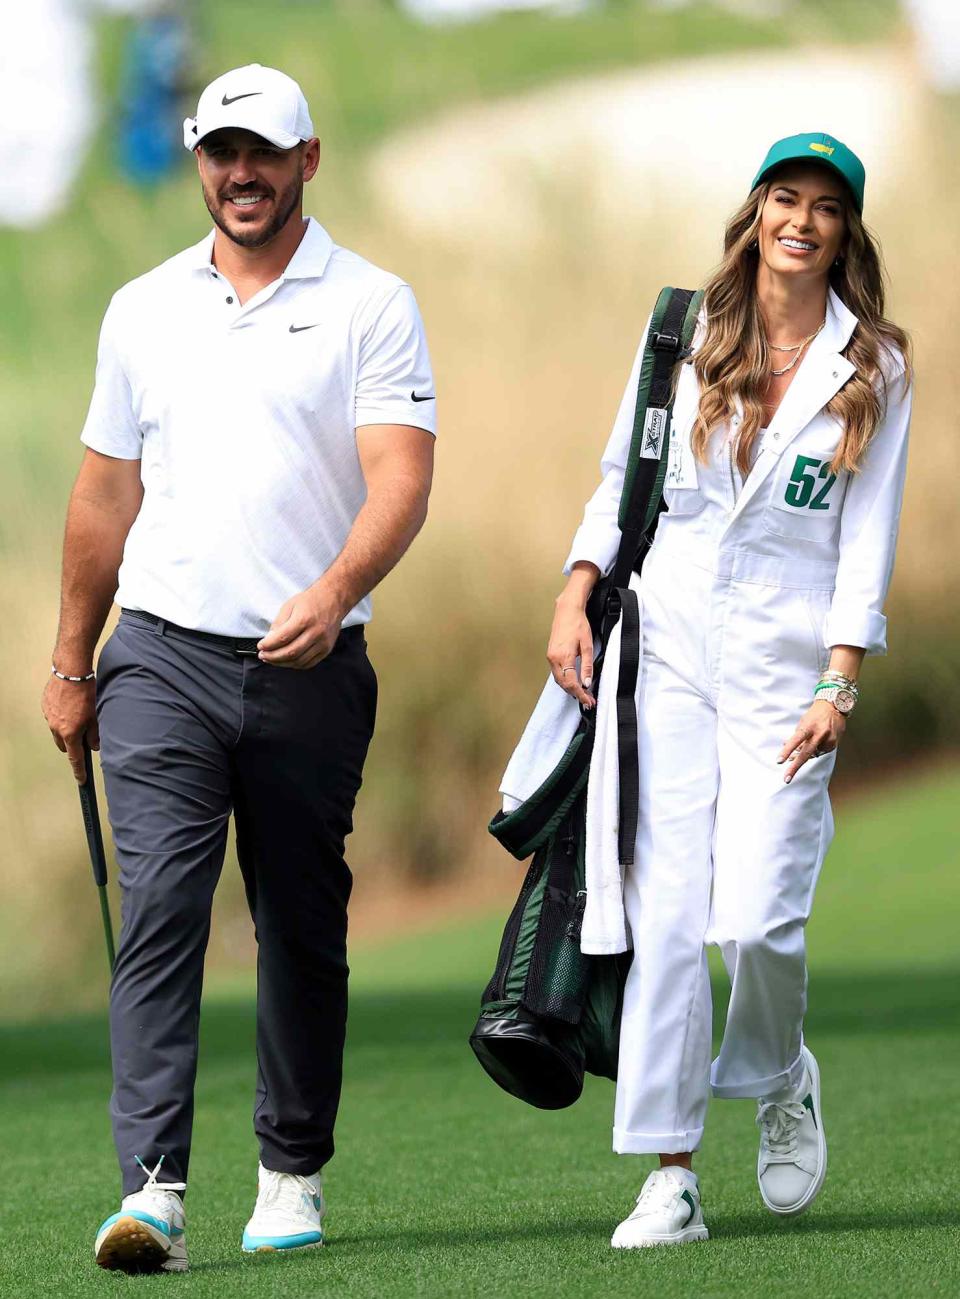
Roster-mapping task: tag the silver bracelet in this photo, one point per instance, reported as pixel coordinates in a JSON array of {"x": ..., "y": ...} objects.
[
  {"x": 838, "y": 679},
  {"x": 91, "y": 676}
]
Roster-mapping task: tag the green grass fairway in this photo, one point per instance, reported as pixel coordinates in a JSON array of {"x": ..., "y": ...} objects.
[{"x": 444, "y": 1186}]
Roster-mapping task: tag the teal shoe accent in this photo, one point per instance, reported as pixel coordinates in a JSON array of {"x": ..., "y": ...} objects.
[
  {"x": 252, "y": 1243},
  {"x": 140, "y": 1216}
]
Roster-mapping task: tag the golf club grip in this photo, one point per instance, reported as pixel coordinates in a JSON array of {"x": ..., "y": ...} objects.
[{"x": 91, "y": 819}]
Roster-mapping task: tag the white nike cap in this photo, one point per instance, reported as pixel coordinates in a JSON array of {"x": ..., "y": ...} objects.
[{"x": 258, "y": 99}]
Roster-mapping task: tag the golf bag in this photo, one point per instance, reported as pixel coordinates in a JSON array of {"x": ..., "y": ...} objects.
[{"x": 550, "y": 1013}]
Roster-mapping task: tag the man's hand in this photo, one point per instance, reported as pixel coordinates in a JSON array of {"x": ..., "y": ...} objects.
[
  {"x": 818, "y": 732},
  {"x": 304, "y": 631},
  {"x": 397, "y": 464},
  {"x": 70, "y": 710}
]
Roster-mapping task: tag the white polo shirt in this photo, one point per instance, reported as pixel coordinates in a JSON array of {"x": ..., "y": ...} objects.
[{"x": 244, "y": 422}]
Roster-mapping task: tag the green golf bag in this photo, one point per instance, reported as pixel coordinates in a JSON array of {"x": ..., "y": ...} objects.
[{"x": 550, "y": 1013}]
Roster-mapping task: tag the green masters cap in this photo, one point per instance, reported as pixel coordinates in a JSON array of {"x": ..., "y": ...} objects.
[{"x": 816, "y": 148}]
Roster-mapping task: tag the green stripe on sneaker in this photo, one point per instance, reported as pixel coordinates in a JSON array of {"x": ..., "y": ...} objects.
[{"x": 685, "y": 1195}]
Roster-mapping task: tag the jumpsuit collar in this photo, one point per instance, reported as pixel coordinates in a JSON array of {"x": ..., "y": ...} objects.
[{"x": 822, "y": 374}]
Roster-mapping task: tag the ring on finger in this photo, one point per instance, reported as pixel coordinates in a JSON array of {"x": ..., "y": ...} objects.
[{"x": 572, "y": 668}]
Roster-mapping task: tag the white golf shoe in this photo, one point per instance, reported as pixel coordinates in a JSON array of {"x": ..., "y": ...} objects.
[
  {"x": 668, "y": 1213},
  {"x": 288, "y": 1213},
  {"x": 148, "y": 1234},
  {"x": 792, "y": 1162}
]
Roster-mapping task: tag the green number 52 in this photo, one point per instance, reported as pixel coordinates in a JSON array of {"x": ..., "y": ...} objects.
[{"x": 803, "y": 480}]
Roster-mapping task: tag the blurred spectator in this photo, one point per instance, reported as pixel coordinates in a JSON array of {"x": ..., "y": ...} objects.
[{"x": 155, "y": 56}]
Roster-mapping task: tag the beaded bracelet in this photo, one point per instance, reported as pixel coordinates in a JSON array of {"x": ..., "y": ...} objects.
[
  {"x": 835, "y": 685},
  {"x": 61, "y": 676}
]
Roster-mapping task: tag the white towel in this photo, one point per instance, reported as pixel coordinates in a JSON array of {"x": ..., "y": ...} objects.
[
  {"x": 604, "y": 928},
  {"x": 551, "y": 727}
]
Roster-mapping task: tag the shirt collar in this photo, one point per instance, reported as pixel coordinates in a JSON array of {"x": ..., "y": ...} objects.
[
  {"x": 200, "y": 256},
  {"x": 309, "y": 261},
  {"x": 841, "y": 322}
]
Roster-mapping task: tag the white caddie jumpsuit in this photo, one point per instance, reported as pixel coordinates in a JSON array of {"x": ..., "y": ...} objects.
[{"x": 746, "y": 588}]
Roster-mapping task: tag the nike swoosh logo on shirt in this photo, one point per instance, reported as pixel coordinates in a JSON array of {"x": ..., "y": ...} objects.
[
  {"x": 298, "y": 329},
  {"x": 414, "y": 397},
  {"x": 232, "y": 99}
]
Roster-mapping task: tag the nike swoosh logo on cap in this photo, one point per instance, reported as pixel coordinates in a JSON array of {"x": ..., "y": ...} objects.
[
  {"x": 233, "y": 98},
  {"x": 414, "y": 397},
  {"x": 296, "y": 329}
]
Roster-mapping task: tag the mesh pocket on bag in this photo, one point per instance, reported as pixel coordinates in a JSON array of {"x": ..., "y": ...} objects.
[{"x": 558, "y": 977}]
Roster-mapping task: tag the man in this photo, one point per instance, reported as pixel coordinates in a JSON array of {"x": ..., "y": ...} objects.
[{"x": 259, "y": 454}]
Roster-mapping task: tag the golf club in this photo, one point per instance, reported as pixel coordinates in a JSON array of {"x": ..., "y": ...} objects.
[{"x": 91, "y": 823}]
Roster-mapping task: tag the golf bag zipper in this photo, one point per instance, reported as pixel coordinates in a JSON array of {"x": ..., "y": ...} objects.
[{"x": 575, "y": 924}]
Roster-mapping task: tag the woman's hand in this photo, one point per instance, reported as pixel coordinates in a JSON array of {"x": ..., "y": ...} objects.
[
  {"x": 817, "y": 733},
  {"x": 571, "y": 637}
]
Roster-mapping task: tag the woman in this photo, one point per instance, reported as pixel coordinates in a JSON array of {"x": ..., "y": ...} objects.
[{"x": 760, "y": 596}]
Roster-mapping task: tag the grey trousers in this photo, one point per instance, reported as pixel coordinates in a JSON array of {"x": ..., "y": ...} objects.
[{"x": 189, "y": 732}]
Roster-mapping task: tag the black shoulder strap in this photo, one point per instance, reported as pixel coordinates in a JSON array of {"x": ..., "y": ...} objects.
[
  {"x": 524, "y": 829},
  {"x": 668, "y": 341},
  {"x": 627, "y": 739}
]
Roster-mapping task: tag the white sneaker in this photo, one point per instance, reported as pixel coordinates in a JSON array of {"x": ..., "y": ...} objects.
[
  {"x": 668, "y": 1213},
  {"x": 792, "y": 1162},
  {"x": 288, "y": 1213},
  {"x": 148, "y": 1234}
]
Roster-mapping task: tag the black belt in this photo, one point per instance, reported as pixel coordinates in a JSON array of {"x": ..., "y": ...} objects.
[{"x": 238, "y": 644}]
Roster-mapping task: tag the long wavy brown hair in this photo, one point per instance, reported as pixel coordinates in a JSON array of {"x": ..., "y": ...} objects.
[{"x": 734, "y": 359}]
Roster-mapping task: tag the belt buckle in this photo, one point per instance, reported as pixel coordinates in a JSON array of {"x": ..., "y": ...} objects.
[{"x": 245, "y": 653}]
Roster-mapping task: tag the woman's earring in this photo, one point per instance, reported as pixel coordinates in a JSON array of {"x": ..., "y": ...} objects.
[
  {"x": 752, "y": 246},
  {"x": 838, "y": 260}
]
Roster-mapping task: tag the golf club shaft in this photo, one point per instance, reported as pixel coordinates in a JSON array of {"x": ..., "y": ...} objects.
[{"x": 98, "y": 860}]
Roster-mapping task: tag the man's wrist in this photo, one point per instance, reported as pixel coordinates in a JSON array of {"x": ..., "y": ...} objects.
[
  {"x": 79, "y": 678},
  {"x": 72, "y": 661},
  {"x": 333, "y": 592}
]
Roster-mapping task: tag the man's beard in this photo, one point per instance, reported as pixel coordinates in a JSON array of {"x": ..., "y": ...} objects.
[{"x": 286, "y": 204}]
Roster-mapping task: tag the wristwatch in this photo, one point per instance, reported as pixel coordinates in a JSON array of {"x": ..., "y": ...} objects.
[{"x": 843, "y": 699}]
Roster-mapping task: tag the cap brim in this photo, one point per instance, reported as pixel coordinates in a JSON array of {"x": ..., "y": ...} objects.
[
  {"x": 820, "y": 162},
  {"x": 192, "y": 138}
]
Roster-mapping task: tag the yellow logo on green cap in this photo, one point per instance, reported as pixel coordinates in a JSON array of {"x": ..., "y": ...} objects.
[{"x": 822, "y": 148}]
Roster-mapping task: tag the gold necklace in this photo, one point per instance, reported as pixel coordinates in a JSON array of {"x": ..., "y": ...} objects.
[{"x": 798, "y": 349}]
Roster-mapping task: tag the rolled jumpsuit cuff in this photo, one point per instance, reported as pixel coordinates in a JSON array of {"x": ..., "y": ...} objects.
[
  {"x": 656, "y": 1143},
  {"x": 789, "y": 1078},
  {"x": 593, "y": 544},
  {"x": 867, "y": 630}
]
